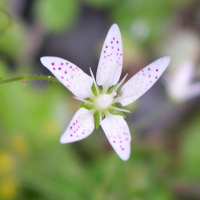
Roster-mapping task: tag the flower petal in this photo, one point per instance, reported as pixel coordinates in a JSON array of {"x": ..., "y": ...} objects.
[
  {"x": 143, "y": 81},
  {"x": 80, "y": 127},
  {"x": 118, "y": 134},
  {"x": 71, "y": 76},
  {"x": 111, "y": 58}
]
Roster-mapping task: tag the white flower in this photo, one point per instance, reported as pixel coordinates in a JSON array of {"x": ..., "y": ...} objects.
[
  {"x": 180, "y": 85},
  {"x": 184, "y": 48},
  {"x": 99, "y": 104}
]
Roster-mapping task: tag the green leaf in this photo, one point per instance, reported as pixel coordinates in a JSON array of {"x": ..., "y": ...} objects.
[
  {"x": 12, "y": 40},
  {"x": 94, "y": 90},
  {"x": 5, "y": 20},
  {"x": 101, "y": 3},
  {"x": 87, "y": 106},
  {"x": 116, "y": 112},
  {"x": 97, "y": 119},
  {"x": 56, "y": 15},
  {"x": 112, "y": 88}
]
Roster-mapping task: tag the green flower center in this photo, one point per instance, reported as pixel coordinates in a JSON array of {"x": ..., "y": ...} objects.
[{"x": 102, "y": 102}]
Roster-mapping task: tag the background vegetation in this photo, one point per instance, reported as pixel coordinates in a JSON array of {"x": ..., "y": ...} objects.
[{"x": 165, "y": 125}]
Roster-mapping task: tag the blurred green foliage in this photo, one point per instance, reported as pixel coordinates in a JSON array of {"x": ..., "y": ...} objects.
[
  {"x": 190, "y": 149},
  {"x": 33, "y": 115},
  {"x": 56, "y": 15}
]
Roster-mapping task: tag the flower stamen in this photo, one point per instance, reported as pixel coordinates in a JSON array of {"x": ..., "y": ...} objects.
[
  {"x": 120, "y": 83},
  {"x": 88, "y": 102},
  {"x": 120, "y": 109},
  {"x": 94, "y": 81}
]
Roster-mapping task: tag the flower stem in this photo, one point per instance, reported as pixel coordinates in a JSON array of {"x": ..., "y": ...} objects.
[{"x": 25, "y": 78}]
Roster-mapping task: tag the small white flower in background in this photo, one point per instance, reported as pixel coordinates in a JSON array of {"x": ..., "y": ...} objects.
[
  {"x": 98, "y": 107},
  {"x": 184, "y": 48}
]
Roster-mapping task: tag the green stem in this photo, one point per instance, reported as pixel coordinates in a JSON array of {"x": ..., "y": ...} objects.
[{"x": 25, "y": 78}]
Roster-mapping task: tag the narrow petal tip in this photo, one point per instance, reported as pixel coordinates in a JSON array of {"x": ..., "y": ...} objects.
[
  {"x": 114, "y": 26},
  {"x": 80, "y": 127},
  {"x": 62, "y": 140},
  {"x": 44, "y": 60},
  {"x": 168, "y": 59},
  {"x": 118, "y": 134}
]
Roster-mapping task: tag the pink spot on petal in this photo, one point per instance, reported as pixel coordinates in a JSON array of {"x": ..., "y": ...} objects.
[
  {"x": 74, "y": 131},
  {"x": 149, "y": 75},
  {"x": 106, "y": 46},
  {"x": 157, "y": 70},
  {"x": 52, "y": 63},
  {"x": 113, "y": 38},
  {"x": 73, "y": 123},
  {"x": 156, "y": 77},
  {"x": 70, "y": 66},
  {"x": 61, "y": 63},
  {"x": 54, "y": 68},
  {"x": 83, "y": 133},
  {"x": 122, "y": 149},
  {"x": 67, "y": 63},
  {"x": 65, "y": 72},
  {"x": 61, "y": 76},
  {"x": 70, "y": 127},
  {"x": 114, "y": 141},
  {"x": 71, "y": 135},
  {"x": 59, "y": 68},
  {"x": 148, "y": 68}
]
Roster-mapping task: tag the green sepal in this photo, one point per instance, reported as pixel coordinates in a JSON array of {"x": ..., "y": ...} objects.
[
  {"x": 94, "y": 91},
  {"x": 87, "y": 106},
  {"x": 116, "y": 112},
  {"x": 112, "y": 88},
  {"x": 97, "y": 119},
  {"x": 88, "y": 99}
]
